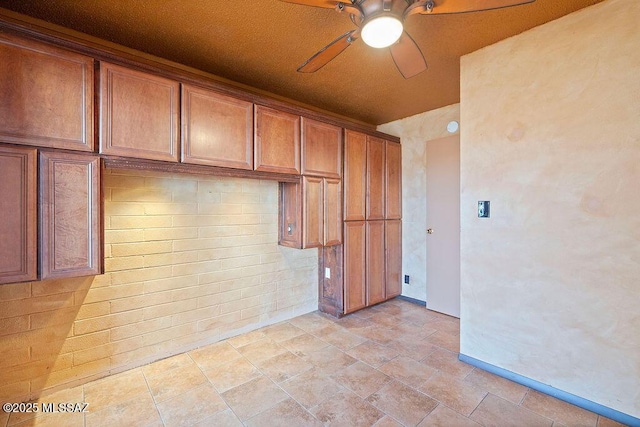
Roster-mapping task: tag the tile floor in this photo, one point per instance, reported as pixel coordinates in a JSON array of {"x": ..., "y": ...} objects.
[{"x": 389, "y": 365}]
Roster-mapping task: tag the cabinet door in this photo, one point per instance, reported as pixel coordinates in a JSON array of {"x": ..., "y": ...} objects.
[
  {"x": 70, "y": 238},
  {"x": 355, "y": 296},
  {"x": 375, "y": 178},
  {"x": 217, "y": 129},
  {"x": 321, "y": 149},
  {"x": 139, "y": 114},
  {"x": 19, "y": 227},
  {"x": 277, "y": 141},
  {"x": 355, "y": 176},
  {"x": 312, "y": 212},
  {"x": 393, "y": 180},
  {"x": 332, "y": 212},
  {"x": 290, "y": 215},
  {"x": 393, "y": 255},
  {"x": 46, "y": 95},
  {"x": 375, "y": 262}
]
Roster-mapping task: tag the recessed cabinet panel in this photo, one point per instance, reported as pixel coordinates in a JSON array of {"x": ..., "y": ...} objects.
[
  {"x": 313, "y": 214},
  {"x": 69, "y": 215},
  {"x": 375, "y": 262},
  {"x": 393, "y": 180},
  {"x": 332, "y": 212},
  {"x": 393, "y": 255},
  {"x": 18, "y": 228},
  {"x": 321, "y": 149},
  {"x": 355, "y": 176},
  {"x": 217, "y": 129},
  {"x": 290, "y": 215},
  {"x": 46, "y": 95},
  {"x": 375, "y": 178},
  {"x": 277, "y": 141},
  {"x": 355, "y": 296},
  {"x": 139, "y": 114}
]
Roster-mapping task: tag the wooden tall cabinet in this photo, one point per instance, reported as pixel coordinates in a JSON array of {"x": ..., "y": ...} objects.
[
  {"x": 46, "y": 95},
  {"x": 139, "y": 114},
  {"x": 70, "y": 215},
  {"x": 18, "y": 208},
  {"x": 372, "y": 214}
]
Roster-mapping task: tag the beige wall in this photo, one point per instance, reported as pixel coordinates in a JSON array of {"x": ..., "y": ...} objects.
[
  {"x": 189, "y": 260},
  {"x": 551, "y": 136},
  {"x": 414, "y": 132}
]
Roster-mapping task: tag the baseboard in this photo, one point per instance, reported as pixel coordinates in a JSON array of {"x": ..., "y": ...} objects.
[
  {"x": 551, "y": 391},
  {"x": 412, "y": 300}
]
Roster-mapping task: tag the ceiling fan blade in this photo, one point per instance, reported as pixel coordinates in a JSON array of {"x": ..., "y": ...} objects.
[
  {"x": 329, "y": 4},
  {"x": 462, "y": 6},
  {"x": 407, "y": 56},
  {"x": 329, "y": 52}
]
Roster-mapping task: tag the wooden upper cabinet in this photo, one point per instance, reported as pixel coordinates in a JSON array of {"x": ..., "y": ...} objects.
[
  {"x": 332, "y": 212},
  {"x": 18, "y": 208},
  {"x": 217, "y": 130},
  {"x": 46, "y": 95},
  {"x": 313, "y": 212},
  {"x": 139, "y": 114},
  {"x": 355, "y": 287},
  {"x": 375, "y": 178},
  {"x": 393, "y": 180},
  {"x": 355, "y": 176},
  {"x": 393, "y": 257},
  {"x": 376, "y": 278},
  {"x": 277, "y": 141},
  {"x": 290, "y": 215},
  {"x": 321, "y": 149},
  {"x": 70, "y": 215}
]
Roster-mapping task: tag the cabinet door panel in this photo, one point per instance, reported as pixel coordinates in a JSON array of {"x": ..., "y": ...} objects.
[
  {"x": 393, "y": 255},
  {"x": 313, "y": 215},
  {"x": 332, "y": 212},
  {"x": 321, "y": 149},
  {"x": 18, "y": 228},
  {"x": 69, "y": 215},
  {"x": 393, "y": 180},
  {"x": 217, "y": 129},
  {"x": 375, "y": 262},
  {"x": 290, "y": 215},
  {"x": 46, "y": 95},
  {"x": 139, "y": 114},
  {"x": 375, "y": 178},
  {"x": 355, "y": 171},
  {"x": 277, "y": 141},
  {"x": 355, "y": 296}
]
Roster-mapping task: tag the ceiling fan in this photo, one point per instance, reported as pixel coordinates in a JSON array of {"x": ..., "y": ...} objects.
[{"x": 380, "y": 24}]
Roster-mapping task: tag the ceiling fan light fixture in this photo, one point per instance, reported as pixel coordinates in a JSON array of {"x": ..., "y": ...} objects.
[{"x": 381, "y": 31}]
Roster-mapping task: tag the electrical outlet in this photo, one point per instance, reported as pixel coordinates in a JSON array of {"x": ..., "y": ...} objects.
[{"x": 406, "y": 279}]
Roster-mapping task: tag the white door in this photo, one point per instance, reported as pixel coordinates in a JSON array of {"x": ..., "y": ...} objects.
[{"x": 443, "y": 225}]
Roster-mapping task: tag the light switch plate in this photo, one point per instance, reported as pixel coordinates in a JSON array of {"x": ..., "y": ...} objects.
[
  {"x": 327, "y": 273},
  {"x": 483, "y": 209}
]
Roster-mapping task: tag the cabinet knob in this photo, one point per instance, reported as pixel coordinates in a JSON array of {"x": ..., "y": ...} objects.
[{"x": 429, "y": 230}]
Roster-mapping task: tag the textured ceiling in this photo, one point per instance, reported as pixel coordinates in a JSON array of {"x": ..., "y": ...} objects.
[{"x": 261, "y": 43}]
